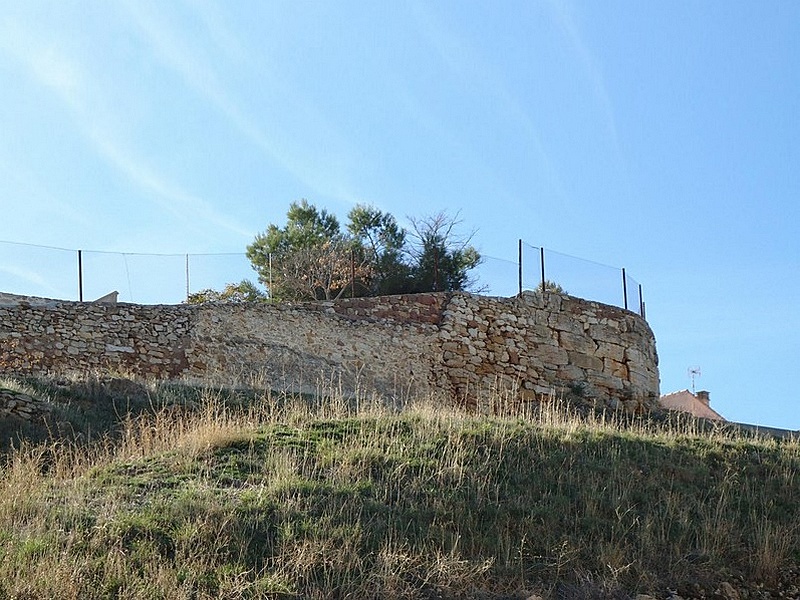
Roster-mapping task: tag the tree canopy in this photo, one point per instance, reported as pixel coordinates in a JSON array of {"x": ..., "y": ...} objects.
[
  {"x": 550, "y": 286},
  {"x": 234, "y": 293},
  {"x": 442, "y": 259},
  {"x": 312, "y": 258},
  {"x": 382, "y": 244},
  {"x": 307, "y": 259}
]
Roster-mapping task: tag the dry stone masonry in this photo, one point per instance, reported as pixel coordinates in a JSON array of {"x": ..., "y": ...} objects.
[
  {"x": 22, "y": 406},
  {"x": 537, "y": 344},
  {"x": 458, "y": 346}
]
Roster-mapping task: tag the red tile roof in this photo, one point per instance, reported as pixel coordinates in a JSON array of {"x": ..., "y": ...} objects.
[{"x": 688, "y": 402}]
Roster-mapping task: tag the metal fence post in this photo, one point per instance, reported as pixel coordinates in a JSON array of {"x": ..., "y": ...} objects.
[
  {"x": 187, "y": 278},
  {"x": 544, "y": 284},
  {"x": 80, "y": 276},
  {"x": 624, "y": 289},
  {"x": 641, "y": 302},
  {"x": 520, "y": 267}
]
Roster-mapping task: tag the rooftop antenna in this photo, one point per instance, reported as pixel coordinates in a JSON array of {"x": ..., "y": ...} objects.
[{"x": 694, "y": 372}]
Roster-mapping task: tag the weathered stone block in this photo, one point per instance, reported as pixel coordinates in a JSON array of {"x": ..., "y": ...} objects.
[
  {"x": 615, "y": 368},
  {"x": 610, "y": 350},
  {"x": 585, "y": 361},
  {"x": 551, "y": 355},
  {"x": 569, "y": 373},
  {"x": 577, "y": 342}
]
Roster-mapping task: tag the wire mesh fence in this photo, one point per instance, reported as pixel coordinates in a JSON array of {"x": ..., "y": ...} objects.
[
  {"x": 497, "y": 276},
  {"x": 143, "y": 278},
  {"x": 634, "y": 295},
  {"x": 31, "y": 270},
  {"x": 140, "y": 278},
  {"x": 146, "y": 278},
  {"x": 556, "y": 271},
  {"x": 207, "y": 271},
  {"x": 529, "y": 257},
  {"x": 584, "y": 278}
]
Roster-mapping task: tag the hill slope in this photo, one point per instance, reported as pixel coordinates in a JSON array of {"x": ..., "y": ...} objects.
[{"x": 246, "y": 495}]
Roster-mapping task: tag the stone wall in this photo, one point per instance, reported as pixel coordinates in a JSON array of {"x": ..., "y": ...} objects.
[
  {"x": 388, "y": 347},
  {"x": 22, "y": 406},
  {"x": 460, "y": 346},
  {"x": 78, "y": 337},
  {"x": 538, "y": 344}
]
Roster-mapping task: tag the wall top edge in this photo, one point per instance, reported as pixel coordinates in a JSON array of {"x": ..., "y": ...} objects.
[{"x": 9, "y": 300}]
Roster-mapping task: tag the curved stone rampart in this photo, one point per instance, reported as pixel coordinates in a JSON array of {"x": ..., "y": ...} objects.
[
  {"x": 461, "y": 346},
  {"x": 538, "y": 344}
]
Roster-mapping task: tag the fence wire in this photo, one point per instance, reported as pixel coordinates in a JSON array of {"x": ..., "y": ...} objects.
[
  {"x": 634, "y": 295},
  {"x": 579, "y": 277},
  {"x": 531, "y": 266},
  {"x": 143, "y": 278},
  {"x": 30, "y": 270},
  {"x": 140, "y": 278},
  {"x": 206, "y": 270},
  {"x": 497, "y": 276},
  {"x": 584, "y": 278},
  {"x": 146, "y": 278}
]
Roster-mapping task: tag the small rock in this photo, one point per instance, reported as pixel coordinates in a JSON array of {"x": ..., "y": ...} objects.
[{"x": 728, "y": 592}]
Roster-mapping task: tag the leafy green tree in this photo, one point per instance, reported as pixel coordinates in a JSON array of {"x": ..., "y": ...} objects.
[
  {"x": 307, "y": 259},
  {"x": 234, "y": 293},
  {"x": 310, "y": 258},
  {"x": 305, "y": 227},
  {"x": 442, "y": 258},
  {"x": 550, "y": 286},
  {"x": 381, "y": 241}
]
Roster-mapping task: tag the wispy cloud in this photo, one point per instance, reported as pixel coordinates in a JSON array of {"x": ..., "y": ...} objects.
[
  {"x": 178, "y": 201},
  {"x": 70, "y": 82},
  {"x": 34, "y": 280},
  {"x": 471, "y": 67},
  {"x": 564, "y": 18},
  {"x": 24, "y": 185},
  {"x": 45, "y": 62},
  {"x": 214, "y": 20},
  {"x": 172, "y": 49},
  {"x": 563, "y": 15}
]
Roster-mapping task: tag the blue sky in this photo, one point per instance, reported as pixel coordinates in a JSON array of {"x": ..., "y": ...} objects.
[{"x": 658, "y": 136}]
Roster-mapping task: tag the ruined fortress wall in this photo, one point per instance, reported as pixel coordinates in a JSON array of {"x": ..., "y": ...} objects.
[
  {"x": 535, "y": 344},
  {"x": 57, "y": 337},
  {"x": 318, "y": 347},
  {"x": 461, "y": 346}
]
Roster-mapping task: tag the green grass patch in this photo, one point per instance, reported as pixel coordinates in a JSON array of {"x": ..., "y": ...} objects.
[{"x": 254, "y": 500}]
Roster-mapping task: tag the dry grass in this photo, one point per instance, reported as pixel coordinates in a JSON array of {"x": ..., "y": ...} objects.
[{"x": 257, "y": 495}]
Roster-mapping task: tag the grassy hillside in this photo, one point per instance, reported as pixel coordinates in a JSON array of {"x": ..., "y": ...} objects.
[{"x": 224, "y": 494}]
